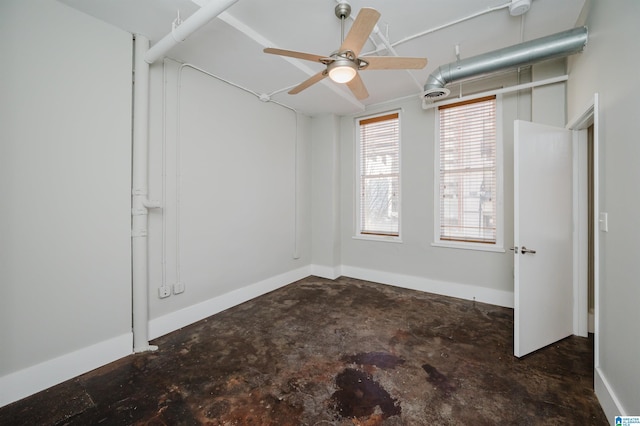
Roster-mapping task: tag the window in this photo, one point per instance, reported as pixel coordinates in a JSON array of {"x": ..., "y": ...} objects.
[
  {"x": 468, "y": 181},
  {"x": 378, "y": 159}
]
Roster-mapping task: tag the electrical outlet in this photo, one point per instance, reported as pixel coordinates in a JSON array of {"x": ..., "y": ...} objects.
[
  {"x": 164, "y": 291},
  {"x": 178, "y": 288}
]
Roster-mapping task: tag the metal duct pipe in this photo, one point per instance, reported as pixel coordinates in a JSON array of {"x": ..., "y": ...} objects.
[{"x": 554, "y": 46}]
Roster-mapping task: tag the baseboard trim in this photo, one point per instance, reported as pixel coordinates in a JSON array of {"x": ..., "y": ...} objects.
[
  {"x": 194, "y": 313},
  {"x": 461, "y": 291},
  {"x": 31, "y": 380},
  {"x": 606, "y": 396},
  {"x": 329, "y": 272}
]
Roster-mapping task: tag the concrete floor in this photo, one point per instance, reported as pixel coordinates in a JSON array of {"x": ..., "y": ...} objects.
[{"x": 343, "y": 352}]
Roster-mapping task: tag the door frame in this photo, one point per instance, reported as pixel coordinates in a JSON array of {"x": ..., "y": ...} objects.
[{"x": 579, "y": 126}]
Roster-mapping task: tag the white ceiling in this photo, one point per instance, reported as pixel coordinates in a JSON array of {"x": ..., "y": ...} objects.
[{"x": 230, "y": 46}]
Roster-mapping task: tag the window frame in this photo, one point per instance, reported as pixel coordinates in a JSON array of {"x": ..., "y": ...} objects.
[
  {"x": 498, "y": 246},
  {"x": 358, "y": 233}
]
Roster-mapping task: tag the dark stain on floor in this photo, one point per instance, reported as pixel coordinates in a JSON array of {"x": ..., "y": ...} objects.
[
  {"x": 359, "y": 395},
  {"x": 333, "y": 352},
  {"x": 439, "y": 380}
]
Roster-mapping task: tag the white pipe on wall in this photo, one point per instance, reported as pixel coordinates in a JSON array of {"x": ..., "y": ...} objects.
[
  {"x": 205, "y": 14},
  {"x": 144, "y": 56},
  {"x": 139, "y": 202}
]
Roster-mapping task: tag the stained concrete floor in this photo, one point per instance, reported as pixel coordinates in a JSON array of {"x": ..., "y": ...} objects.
[{"x": 343, "y": 352}]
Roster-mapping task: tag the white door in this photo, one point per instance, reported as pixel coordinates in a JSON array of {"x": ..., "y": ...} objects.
[{"x": 543, "y": 228}]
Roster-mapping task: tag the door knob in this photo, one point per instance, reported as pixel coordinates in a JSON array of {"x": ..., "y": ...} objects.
[{"x": 526, "y": 250}]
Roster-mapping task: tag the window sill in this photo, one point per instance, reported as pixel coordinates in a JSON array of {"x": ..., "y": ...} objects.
[
  {"x": 381, "y": 238},
  {"x": 469, "y": 246}
]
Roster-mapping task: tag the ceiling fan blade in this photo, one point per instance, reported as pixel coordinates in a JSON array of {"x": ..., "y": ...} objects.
[
  {"x": 294, "y": 54},
  {"x": 394, "y": 62},
  {"x": 360, "y": 30},
  {"x": 358, "y": 88},
  {"x": 308, "y": 82}
]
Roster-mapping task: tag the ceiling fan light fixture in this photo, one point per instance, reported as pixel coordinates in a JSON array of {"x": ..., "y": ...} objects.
[{"x": 342, "y": 70}]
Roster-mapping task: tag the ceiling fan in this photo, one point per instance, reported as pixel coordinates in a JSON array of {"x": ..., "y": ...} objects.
[{"x": 342, "y": 66}]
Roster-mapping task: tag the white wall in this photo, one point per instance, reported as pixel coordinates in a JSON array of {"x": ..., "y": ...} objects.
[
  {"x": 253, "y": 182},
  {"x": 415, "y": 263},
  {"x": 236, "y": 208},
  {"x": 545, "y": 111},
  {"x": 325, "y": 209},
  {"x": 65, "y": 186},
  {"x": 240, "y": 167},
  {"x": 609, "y": 66}
]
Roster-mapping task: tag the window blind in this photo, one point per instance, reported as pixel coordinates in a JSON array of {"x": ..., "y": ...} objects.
[
  {"x": 468, "y": 172},
  {"x": 380, "y": 175}
]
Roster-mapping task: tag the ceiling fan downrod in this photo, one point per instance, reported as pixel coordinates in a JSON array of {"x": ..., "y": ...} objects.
[{"x": 342, "y": 11}]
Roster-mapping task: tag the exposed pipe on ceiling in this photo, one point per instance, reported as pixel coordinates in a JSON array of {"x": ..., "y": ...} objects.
[
  {"x": 190, "y": 25},
  {"x": 452, "y": 23},
  {"x": 390, "y": 46},
  {"x": 554, "y": 46}
]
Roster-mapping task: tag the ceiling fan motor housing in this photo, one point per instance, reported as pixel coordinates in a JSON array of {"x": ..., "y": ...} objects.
[{"x": 343, "y": 10}]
